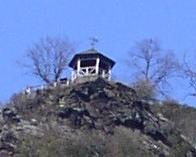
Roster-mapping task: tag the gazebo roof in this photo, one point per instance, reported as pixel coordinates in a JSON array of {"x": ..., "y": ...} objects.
[{"x": 90, "y": 54}]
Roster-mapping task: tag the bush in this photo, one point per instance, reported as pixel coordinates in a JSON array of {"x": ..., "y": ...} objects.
[
  {"x": 56, "y": 143},
  {"x": 144, "y": 89}
]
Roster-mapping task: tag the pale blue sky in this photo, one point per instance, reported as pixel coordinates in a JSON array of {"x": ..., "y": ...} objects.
[{"x": 117, "y": 24}]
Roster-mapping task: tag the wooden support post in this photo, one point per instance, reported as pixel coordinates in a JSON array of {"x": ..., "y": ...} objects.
[
  {"x": 97, "y": 65},
  {"x": 103, "y": 73},
  {"x": 72, "y": 76},
  {"x": 110, "y": 74},
  {"x": 78, "y": 66}
]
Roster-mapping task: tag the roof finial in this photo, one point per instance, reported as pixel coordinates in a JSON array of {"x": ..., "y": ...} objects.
[{"x": 94, "y": 41}]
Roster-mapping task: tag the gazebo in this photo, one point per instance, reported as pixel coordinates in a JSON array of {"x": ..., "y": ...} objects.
[{"x": 89, "y": 65}]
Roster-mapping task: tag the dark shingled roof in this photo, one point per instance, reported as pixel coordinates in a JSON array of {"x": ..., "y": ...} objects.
[{"x": 90, "y": 53}]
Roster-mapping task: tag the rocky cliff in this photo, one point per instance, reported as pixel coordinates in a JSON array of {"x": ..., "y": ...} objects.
[{"x": 93, "y": 119}]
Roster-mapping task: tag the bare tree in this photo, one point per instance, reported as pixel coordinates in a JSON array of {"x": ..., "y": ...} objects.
[
  {"x": 144, "y": 89},
  {"x": 188, "y": 73},
  {"x": 48, "y": 58},
  {"x": 152, "y": 65}
]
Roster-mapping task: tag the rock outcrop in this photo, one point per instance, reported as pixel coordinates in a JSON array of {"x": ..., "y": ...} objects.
[{"x": 97, "y": 106}]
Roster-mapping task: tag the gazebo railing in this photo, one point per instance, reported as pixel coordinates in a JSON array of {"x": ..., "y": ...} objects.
[{"x": 85, "y": 71}]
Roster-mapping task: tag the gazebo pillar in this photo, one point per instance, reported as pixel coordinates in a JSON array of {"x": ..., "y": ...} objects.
[
  {"x": 109, "y": 74},
  {"x": 73, "y": 75},
  {"x": 97, "y": 65},
  {"x": 103, "y": 74},
  {"x": 78, "y": 66}
]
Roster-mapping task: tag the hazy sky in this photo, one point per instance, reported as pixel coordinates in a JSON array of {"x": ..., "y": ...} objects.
[{"x": 116, "y": 23}]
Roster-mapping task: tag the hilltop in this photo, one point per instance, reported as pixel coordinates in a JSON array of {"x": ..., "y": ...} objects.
[{"x": 92, "y": 119}]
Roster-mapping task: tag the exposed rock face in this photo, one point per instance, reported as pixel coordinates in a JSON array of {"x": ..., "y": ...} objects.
[
  {"x": 12, "y": 129},
  {"x": 183, "y": 116},
  {"x": 10, "y": 115},
  {"x": 92, "y": 106}
]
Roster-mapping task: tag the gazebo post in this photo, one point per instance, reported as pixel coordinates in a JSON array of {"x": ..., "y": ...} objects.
[
  {"x": 73, "y": 73},
  {"x": 110, "y": 74},
  {"x": 78, "y": 66},
  {"x": 103, "y": 74},
  {"x": 97, "y": 65}
]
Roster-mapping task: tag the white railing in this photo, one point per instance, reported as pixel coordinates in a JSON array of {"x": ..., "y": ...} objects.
[
  {"x": 91, "y": 71},
  {"x": 87, "y": 71},
  {"x": 30, "y": 89}
]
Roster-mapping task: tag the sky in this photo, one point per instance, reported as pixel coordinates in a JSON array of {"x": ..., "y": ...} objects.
[{"x": 118, "y": 24}]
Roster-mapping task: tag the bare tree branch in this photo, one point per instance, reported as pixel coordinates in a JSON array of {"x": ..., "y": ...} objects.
[
  {"x": 48, "y": 58},
  {"x": 152, "y": 64},
  {"x": 189, "y": 73}
]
